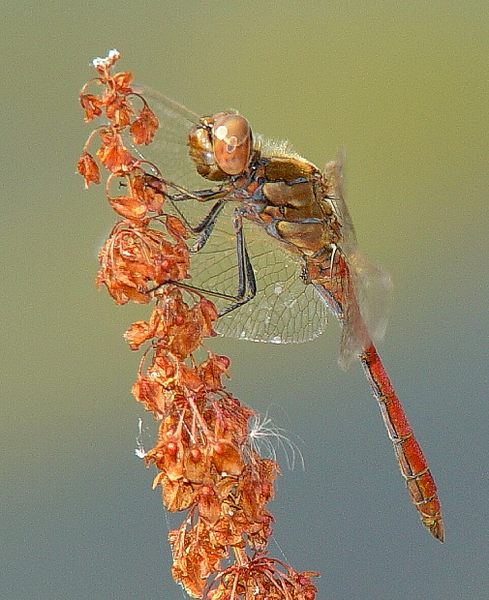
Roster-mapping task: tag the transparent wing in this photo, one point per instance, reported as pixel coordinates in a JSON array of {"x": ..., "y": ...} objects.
[
  {"x": 169, "y": 151},
  {"x": 284, "y": 310},
  {"x": 365, "y": 307},
  {"x": 369, "y": 286},
  {"x": 373, "y": 288},
  {"x": 334, "y": 174}
]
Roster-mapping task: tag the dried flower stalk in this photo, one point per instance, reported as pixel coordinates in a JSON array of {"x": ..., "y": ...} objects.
[{"x": 208, "y": 469}]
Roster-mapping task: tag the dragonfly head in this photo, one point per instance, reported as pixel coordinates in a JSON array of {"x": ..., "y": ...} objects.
[{"x": 221, "y": 145}]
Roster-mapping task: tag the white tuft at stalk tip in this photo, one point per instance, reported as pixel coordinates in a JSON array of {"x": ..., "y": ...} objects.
[{"x": 112, "y": 56}]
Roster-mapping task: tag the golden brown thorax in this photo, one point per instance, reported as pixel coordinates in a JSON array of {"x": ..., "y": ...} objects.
[{"x": 296, "y": 200}]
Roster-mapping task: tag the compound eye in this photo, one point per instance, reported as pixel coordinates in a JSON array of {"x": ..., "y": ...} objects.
[
  {"x": 232, "y": 142},
  {"x": 201, "y": 151}
]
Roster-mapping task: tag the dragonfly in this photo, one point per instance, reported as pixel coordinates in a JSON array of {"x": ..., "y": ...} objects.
[{"x": 278, "y": 250}]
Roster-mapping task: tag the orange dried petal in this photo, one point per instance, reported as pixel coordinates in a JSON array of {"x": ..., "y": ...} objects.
[
  {"x": 189, "y": 378},
  {"x": 128, "y": 207},
  {"x": 172, "y": 464},
  {"x": 144, "y": 127},
  {"x": 149, "y": 393},
  {"x": 120, "y": 291},
  {"x": 209, "y": 505},
  {"x": 149, "y": 190},
  {"x": 92, "y": 105},
  {"x": 88, "y": 169},
  {"x": 176, "y": 228},
  {"x": 114, "y": 155},
  {"x": 172, "y": 263},
  {"x": 122, "y": 82},
  {"x": 177, "y": 495},
  {"x": 136, "y": 296},
  {"x": 227, "y": 458},
  {"x": 212, "y": 370},
  {"x": 209, "y": 314},
  {"x": 163, "y": 368},
  {"x": 138, "y": 333},
  {"x": 196, "y": 464},
  {"x": 119, "y": 111}
]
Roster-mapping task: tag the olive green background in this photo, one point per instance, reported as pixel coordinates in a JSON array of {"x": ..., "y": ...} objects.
[{"x": 404, "y": 88}]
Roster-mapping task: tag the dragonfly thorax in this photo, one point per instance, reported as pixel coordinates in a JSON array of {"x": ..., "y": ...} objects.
[{"x": 221, "y": 145}]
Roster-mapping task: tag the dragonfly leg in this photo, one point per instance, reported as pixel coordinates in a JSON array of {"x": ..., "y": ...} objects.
[
  {"x": 246, "y": 276},
  {"x": 205, "y": 227}
]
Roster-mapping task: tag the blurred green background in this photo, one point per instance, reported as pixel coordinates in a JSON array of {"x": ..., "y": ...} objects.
[{"x": 404, "y": 88}]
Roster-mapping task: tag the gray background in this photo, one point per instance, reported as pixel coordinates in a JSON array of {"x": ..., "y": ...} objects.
[{"x": 403, "y": 87}]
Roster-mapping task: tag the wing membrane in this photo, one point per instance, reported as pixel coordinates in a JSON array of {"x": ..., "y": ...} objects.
[
  {"x": 284, "y": 310},
  {"x": 169, "y": 151},
  {"x": 368, "y": 285}
]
